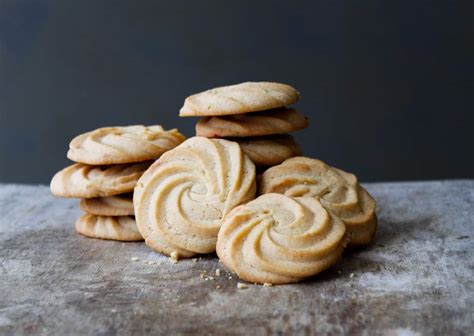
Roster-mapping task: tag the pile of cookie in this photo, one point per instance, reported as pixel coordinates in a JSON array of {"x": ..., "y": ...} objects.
[
  {"x": 255, "y": 115},
  {"x": 108, "y": 163},
  {"x": 201, "y": 195}
]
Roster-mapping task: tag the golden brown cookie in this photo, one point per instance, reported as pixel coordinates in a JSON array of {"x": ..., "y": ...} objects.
[
  {"x": 338, "y": 191},
  {"x": 122, "y": 228},
  {"x": 112, "y": 145},
  {"x": 84, "y": 181},
  {"x": 279, "y": 239},
  {"x": 238, "y": 99},
  {"x": 181, "y": 200},
  {"x": 278, "y": 121},
  {"x": 119, "y": 205},
  {"x": 269, "y": 150}
]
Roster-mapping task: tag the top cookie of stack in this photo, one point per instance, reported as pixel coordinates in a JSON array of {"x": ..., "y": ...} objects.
[
  {"x": 254, "y": 114},
  {"x": 109, "y": 162}
]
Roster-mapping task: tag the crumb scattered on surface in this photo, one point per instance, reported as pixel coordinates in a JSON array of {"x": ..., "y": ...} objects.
[
  {"x": 230, "y": 278},
  {"x": 352, "y": 275},
  {"x": 218, "y": 286},
  {"x": 241, "y": 285},
  {"x": 267, "y": 284},
  {"x": 195, "y": 260},
  {"x": 211, "y": 278},
  {"x": 134, "y": 259},
  {"x": 149, "y": 262},
  {"x": 174, "y": 257},
  {"x": 218, "y": 272}
]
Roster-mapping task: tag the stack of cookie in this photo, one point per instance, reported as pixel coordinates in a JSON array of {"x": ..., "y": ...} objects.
[
  {"x": 253, "y": 114},
  {"x": 109, "y": 162}
]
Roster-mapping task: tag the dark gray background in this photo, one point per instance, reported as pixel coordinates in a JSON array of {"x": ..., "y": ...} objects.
[{"x": 387, "y": 85}]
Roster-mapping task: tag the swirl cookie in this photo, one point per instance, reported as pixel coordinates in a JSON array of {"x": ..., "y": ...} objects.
[
  {"x": 279, "y": 239},
  {"x": 112, "y": 145},
  {"x": 270, "y": 122},
  {"x": 122, "y": 228},
  {"x": 238, "y": 99},
  {"x": 84, "y": 181},
  {"x": 270, "y": 150},
  {"x": 338, "y": 191},
  {"x": 181, "y": 200},
  {"x": 119, "y": 205}
]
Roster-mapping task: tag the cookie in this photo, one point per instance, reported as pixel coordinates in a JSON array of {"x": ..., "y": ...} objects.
[
  {"x": 84, "y": 181},
  {"x": 119, "y": 205},
  {"x": 279, "y": 239},
  {"x": 278, "y": 121},
  {"x": 238, "y": 99},
  {"x": 338, "y": 191},
  {"x": 270, "y": 150},
  {"x": 181, "y": 199},
  {"x": 122, "y": 228},
  {"x": 112, "y": 145}
]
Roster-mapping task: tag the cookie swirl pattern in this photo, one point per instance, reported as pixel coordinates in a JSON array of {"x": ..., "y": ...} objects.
[
  {"x": 337, "y": 190},
  {"x": 112, "y": 145},
  {"x": 279, "y": 239},
  {"x": 181, "y": 200}
]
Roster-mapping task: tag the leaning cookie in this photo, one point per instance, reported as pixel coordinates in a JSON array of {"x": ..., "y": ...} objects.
[
  {"x": 278, "y": 239},
  {"x": 122, "y": 228},
  {"x": 181, "y": 199},
  {"x": 238, "y": 99},
  {"x": 119, "y": 205},
  {"x": 269, "y": 150},
  {"x": 84, "y": 181},
  {"x": 112, "y": 145},
  {"x": 337, "y": 190},
  {"x": 278, "y": 121}
]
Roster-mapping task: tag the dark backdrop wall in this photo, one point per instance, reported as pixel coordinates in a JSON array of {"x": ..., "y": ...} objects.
[{"x": 388, "y": 85}]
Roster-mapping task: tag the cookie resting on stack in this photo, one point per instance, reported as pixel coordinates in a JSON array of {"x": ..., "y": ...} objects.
[
  {"x": 109, "y": 162},
  {"x": 253, "y": 114}
]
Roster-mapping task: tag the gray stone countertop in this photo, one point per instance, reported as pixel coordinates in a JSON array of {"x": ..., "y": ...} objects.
[{"x": 416, "y": 279}]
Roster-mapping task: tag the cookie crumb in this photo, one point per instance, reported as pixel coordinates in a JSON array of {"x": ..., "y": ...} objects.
[
  {"x": 230, "y": 278},
  {"x": 201, "y": 276},
  {"x": 352, "y": 275},
  {"x": 195, "y": 260},
  {"x": 174, "y": 257},
  {"x": 241, "y": 285},
  {"x": 218, "y": 272},
  {"x": 134, "y": 259},
  {"x": 218, "y": 286},
  {"x": 211, "y": 278},
  {"x": 267, "y": 284},
  {"x": 149, "y": 262}
]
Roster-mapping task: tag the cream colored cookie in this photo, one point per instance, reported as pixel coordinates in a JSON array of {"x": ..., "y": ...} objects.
[
  {"x": 181, "y": 200},
  {"x": 84, "y": 181},
  {"x": 238, "y": 99},
  {"x": 112, "y": 145},
  {"x": 338, "y": 191},
  {"x": 119, "y": 205},
  {"x": 122, "y": 228},
  {"x": 278, "y": 239},
  {"x": 269, "y": 150},
  {"x": 278, "y": 121}
]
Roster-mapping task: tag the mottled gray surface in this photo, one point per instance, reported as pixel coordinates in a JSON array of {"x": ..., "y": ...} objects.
[{"x": 416, "y": 279}]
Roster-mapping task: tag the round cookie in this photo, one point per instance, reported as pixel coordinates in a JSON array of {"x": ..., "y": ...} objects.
[
  {"x": 270, "y": 150},
  {"x": 119, "y": 205},
  {"x": 122, "y": 228},
  {"x": 181, "y": 199},
  {"x": 84, "y": 181},
  {"x": 278, "y": 121},
  {"x": 279, "y": 239},
  {"x": 112, "y": 145},
  {"x": 338, "y": 191},
  {"x": 238, "y": 99}
]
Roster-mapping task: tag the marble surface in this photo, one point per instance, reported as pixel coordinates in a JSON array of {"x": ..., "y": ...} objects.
[{"x": 416, "y": 279}]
